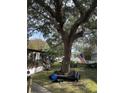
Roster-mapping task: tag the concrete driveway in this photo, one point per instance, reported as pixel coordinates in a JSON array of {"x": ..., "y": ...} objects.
[{"x": 38, "y": 89}]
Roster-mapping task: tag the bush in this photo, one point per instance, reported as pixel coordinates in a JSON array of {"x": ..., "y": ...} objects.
[
  {"x": 73, "y": 64},
  {"x": 87, "y": 53}
]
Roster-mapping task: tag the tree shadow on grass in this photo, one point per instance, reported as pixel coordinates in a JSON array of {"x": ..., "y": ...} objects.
[
  {"x": 89, "y": 87},
  {"x": 88, "y": 73},
  {"x": 70, "y": 87}
]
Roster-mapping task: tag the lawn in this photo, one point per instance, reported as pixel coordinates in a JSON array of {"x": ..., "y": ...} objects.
[{"x": 87, "y": 83}]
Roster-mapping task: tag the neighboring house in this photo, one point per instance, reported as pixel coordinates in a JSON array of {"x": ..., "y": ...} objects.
[{"x": 34, "y": 55}]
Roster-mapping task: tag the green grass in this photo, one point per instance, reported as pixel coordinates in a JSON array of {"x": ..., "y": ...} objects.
[{"x": 87, "y": 83}]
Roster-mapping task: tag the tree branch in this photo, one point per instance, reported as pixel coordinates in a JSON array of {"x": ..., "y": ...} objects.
[
  {"x": 75, "y": 26},
  {"x": 43, "y": 4},
  {"x": 83, "y": 17},
  {"x": 79, "y": 7},
  {"x": 52, "y": 21},
  {"x": 90, "y": 10},
  {"x": 77, "y": 35},
  {"x": 57, "y": 44},
  {"x": 59, "y": 17},
  {"x": 59, "y": 12}
]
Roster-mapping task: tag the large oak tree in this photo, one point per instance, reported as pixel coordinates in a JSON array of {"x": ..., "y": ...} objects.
[{"x": 66, "y": 20}]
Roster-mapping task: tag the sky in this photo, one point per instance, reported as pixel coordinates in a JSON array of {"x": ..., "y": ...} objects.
[{"x": 37, "y": 35}]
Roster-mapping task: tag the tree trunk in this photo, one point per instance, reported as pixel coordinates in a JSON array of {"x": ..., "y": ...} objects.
[{"x": 67, "y": 55}]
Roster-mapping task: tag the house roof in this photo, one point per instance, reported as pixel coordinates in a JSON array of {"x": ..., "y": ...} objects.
[{"x": 33, "y": 50}]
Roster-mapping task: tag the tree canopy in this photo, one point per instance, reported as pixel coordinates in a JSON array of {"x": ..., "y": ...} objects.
[{"x": 75, "y": 16}]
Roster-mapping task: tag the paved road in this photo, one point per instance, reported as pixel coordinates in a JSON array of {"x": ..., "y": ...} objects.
[{"x": 38, "y": 89}]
